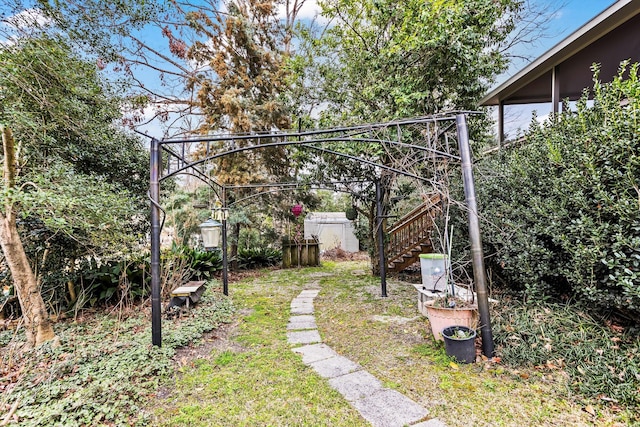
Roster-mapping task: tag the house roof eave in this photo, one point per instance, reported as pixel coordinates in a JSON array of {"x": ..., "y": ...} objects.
[{"x": 611, "y": 18}]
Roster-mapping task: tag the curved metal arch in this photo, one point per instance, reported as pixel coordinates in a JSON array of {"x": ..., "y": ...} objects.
[
  {"x": 326, "y": 140},
  {"x": 370, "y": 163},
  {"x": 290, "y": 184},
  {"x": 208, "y": 183},
  {"x": 446, "y": 117},
  {"x": 201, "y": 175},
  {"x": 288, "y": 187},
  {"x": 473, "y": 223},
  {"x": 442, "y": 117}
]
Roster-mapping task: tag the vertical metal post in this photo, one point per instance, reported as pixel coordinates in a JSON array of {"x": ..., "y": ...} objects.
[
  {"x": 500, "y": 123},
  {"x": 477, "y": 255},
  {"x": 154, "y": 194},
  {"x": 380, "y": 231},
  {"x": 225, "y": 264},
  {"x": 555, "y": 90}
]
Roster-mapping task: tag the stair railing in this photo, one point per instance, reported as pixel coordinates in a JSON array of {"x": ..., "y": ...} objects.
[{"x": 412, "y": 230}]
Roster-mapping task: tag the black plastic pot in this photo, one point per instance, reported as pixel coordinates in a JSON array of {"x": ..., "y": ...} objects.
[{"x": 462, "y": 349}]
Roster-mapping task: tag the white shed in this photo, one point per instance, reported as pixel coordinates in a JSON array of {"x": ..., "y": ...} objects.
[{"x": 333, "y": 229}]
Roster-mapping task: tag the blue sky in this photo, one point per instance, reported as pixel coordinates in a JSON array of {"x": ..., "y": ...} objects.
[
  {"x": 573, "y": 15},
  {"x": 576, "y": 13}
]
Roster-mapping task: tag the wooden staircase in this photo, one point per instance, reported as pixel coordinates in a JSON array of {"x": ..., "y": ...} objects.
[{"x": 411, "y": 235}]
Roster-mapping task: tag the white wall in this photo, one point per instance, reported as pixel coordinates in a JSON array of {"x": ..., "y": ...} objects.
[{"x": 333, "y": 229}]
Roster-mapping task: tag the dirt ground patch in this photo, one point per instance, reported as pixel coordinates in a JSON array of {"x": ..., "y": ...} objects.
[{"x": 220, "y": 338}]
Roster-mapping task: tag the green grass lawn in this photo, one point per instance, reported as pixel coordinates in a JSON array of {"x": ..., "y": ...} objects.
[
  {"x": 227, "y": 362},
  {"x": 257, "y": 380},
  {"x": 254, "y": 379}
]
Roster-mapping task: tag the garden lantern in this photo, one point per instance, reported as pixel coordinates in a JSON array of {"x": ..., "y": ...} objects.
[{"x": 210, "y": 231}]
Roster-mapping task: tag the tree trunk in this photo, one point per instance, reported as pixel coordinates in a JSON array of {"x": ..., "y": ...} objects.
[
  {"x": 39, "y": 328},
  {"x": 234, "y": 246},
  {"x": 71, "y": 286}
]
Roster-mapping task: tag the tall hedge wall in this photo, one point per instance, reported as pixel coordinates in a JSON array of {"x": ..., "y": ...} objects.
[{"x": 561, "y": 211}]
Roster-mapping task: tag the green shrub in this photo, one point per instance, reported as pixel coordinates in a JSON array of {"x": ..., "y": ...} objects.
[
  {"x": 562, "y": 211},
  {"x": 129, "y": 279},
  {"x": 198, "y": 264},
  {"x": 113, "y": 280},
  {"x": 549, "y": 337},
  {"x": 258, "y": 257}
]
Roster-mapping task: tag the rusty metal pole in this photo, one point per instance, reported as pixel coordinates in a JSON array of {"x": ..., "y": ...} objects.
[
  {"x": 477, "y": 256},
  {"x": 154, "y": 195},
  {"x": 379, "y": 222}
]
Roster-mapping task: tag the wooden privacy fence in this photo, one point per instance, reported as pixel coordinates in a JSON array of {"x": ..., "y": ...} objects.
[{"x": 300, "y": 254}]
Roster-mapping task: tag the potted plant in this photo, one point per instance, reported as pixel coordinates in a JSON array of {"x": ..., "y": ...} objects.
[
  {"x": 448, "y": 309},
  {"x": 351, "y": 213},
  {"x": 451, "y": 310},
  {"x": 459, "y": 343}
]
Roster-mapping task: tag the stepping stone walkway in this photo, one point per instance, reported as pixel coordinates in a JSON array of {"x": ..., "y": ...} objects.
[{"x": 381, "y": 406}]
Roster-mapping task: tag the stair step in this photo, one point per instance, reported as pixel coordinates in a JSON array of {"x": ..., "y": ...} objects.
[{"x": 419, "y": 231}]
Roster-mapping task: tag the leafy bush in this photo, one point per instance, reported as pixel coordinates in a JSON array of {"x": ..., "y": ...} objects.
[
  {"x": 258, "y": 257},
  {"x": 198, "y": 264},
  {"x": 126, "y": 279},
  {"x": 562, "y": 211},
  {"x": 114, "y": 280},
  {"x": 105, "y": 370}
]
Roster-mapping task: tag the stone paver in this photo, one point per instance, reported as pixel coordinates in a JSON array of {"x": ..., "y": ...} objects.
[
  {"x": 314, "y": 352},
  {"x": 382, "y": 407},
  {"x": 309, "y": 293},
  {"x": 302, "y": 309},
  {"x": 303, "y": 337},
  {"x": 304, "y": 321},
  {"x": 303, "y": 318},
  {"x": 356, "y": 385},
  {"x": 388, "y": 408},
  {"x": 334, "y": 366},
  {"x": 300, "y": 301}
]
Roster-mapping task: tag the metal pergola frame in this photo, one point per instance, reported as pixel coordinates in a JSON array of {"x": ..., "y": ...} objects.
[{"x": 310, "y": 140}]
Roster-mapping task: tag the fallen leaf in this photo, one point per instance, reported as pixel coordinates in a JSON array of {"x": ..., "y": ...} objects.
[
  {"x": 589, "y": 409},
  {"x": 453, "y": 365},
  {"x": 617, "y": 328}
]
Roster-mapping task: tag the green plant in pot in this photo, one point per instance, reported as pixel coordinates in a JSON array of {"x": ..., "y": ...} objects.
[
  {"x": 459, "y": 343},
  {"x": 451, "y": 310}
]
